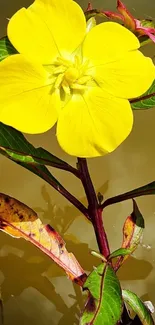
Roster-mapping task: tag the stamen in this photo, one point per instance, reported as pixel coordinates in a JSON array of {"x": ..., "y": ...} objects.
[
  {"x": 78, "y": 87},
  {"x": 66, "y": 88},
  {"x": 59, "y": 80},
  {"x": 84, "y": 79},
  {"x": 62, "y": 61},
  {"x": 68, "y": 75},
  {"x": 59, "y": 69}
]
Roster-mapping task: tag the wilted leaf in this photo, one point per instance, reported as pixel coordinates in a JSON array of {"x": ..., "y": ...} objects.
[
  {"x": 147, "y": 102},
  {"x": 138, "y": 306},
  {"x": 18, "y": 220},
  {"x": 6, "y": 48},
  {"x": 132, "y": 233},
  {"x": 148, "y": 189},
  {"x": 104, "y": 304},
  {"x": 133, "y": 229}
]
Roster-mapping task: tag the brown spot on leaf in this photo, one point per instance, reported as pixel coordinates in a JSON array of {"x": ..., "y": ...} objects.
[
  {"x": 91, "y": 307},
  {"x": 49, "y": 228},
  {"x": 7, "y": 199},
  {"x": 21, "y": 217}
]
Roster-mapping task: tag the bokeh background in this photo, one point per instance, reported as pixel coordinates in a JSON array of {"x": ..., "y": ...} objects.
[{"x": 35, "y": 291}]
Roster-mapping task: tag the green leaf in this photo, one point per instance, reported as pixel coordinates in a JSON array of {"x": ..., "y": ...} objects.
[
  {"x": 104, "y": 304},
  {"x": 145, "y": 103},
  {"x": 6, "y": 48},
  {"x": 147, "y": 23},
  {"x": 11, "y": 138},
  {"x": 14, "y": 145},
  {"x": 138, "y": 306},
  {"x": 148, "y": 189},
  {"x": 119, "y": 252}
]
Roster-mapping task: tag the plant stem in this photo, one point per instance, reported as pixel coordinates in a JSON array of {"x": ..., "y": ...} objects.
[{"x": 94, "y": 210}]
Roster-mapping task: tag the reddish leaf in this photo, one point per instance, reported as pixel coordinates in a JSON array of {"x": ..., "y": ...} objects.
[
  {"x": 133, "y": 229},
  {"x": 132, "y": 233},
  {"x": 18, "y": 220}
]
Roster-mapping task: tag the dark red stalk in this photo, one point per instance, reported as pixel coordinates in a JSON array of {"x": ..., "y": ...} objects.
[{"x": 94, "y": 210}]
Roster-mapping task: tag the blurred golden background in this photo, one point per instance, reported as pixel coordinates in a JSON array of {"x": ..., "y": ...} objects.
[{"x": 35, "y": 291}]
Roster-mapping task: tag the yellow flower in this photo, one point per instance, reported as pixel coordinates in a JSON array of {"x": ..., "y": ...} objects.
[{"x": 80, "y": 80}]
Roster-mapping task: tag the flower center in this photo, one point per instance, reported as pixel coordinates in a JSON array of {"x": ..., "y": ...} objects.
[
  {"x": 71, "y": 75},
  {"x": 68, "y": 76}
]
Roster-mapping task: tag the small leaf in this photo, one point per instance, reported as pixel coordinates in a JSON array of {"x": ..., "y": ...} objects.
[
  {"x": 18, "y": 220},
  {"x": 119, "y": 252},
  {"x": 145, "y": 103},
  {"x": 6, "y": 48},
  {"x": 147, "y": 23},
  {"x": 104, "y": 304},
  {"x": 148, "y": 189},
  {"x": 132, "y": 233},
  {"x": 133, "y": 229},
  {"x": 138, "y": 306},
  {"x": 99, "y": 255}
]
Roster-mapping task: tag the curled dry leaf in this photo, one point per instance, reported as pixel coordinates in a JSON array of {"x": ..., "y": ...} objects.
[
  {"x": 132, "y": 233},
  {"x": 18, "y": 220}
]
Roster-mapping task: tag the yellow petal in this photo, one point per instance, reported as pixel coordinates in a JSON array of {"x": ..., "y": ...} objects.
[
  {"x": 126, "y": 78},
  {"x": 93, "y": 124},
  {"x": 47, "y": 29},
  {"x": 108, "y": 42},
  {"x": 26, "y": 102}
]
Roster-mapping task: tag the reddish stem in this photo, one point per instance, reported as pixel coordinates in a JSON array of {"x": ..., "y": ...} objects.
[
  {"x": 100, "y": 232},
  {"x": 94, "y": 210}
]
